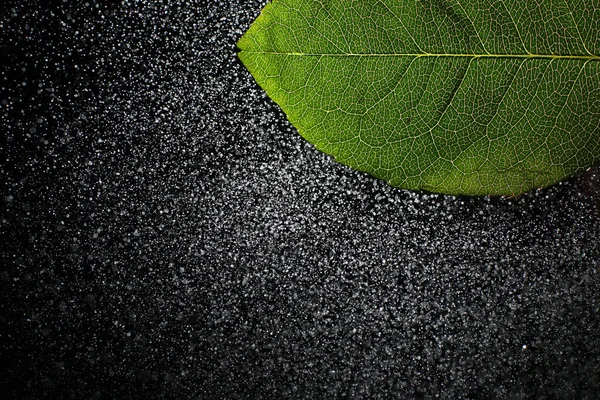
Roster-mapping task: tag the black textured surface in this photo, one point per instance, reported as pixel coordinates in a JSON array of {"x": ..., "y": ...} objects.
[{"x": 167, "y": 234}]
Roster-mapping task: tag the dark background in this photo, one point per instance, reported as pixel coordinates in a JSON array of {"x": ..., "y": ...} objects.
[{"x": 167, "y": 234}]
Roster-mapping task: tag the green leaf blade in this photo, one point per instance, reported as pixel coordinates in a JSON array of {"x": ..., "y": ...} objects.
[{"x": 482, "y": 98}]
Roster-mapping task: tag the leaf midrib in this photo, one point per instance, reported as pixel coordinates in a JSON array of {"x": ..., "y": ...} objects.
[{"x": 439, "y": 55}]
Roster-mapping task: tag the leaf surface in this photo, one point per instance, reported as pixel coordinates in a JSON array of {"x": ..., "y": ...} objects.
[{"x": 480, "y": 97}]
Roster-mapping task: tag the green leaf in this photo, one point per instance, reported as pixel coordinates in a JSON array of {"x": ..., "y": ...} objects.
[{"x": 479, "y": 97}]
